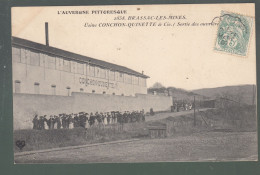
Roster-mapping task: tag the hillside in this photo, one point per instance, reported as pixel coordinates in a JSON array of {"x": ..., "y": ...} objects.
[
  {"x": 240, "y": 93},
  {"x": 178, "y": 94}
]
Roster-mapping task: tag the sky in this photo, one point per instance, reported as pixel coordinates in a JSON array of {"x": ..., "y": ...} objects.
[{"x": 180, "y": 56}]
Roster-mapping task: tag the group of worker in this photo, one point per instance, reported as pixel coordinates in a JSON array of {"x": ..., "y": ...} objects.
[{"x": 85, "y": 120}]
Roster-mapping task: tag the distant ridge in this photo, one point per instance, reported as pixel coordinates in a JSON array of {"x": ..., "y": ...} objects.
[{"x": 242, "y": 93}]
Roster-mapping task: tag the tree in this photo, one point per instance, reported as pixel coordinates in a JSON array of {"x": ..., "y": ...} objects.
[{"x": 157, "y": 85}]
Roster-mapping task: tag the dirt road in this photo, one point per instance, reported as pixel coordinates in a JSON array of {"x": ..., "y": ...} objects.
[{"x": 210, "y": 146}]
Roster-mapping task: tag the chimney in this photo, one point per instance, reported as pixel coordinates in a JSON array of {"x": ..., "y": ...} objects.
[
  {"x": 46, "y": 33},
  {"x": 142, "y": 72}
]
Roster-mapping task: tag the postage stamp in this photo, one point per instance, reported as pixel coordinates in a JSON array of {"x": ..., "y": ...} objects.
[{"x": 233, "y": 33}]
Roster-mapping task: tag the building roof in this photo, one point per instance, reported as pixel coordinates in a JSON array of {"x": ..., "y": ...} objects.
[{"x": 72, "y": 56}]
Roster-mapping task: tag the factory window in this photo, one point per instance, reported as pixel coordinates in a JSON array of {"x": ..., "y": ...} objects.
[
  {"x": 122, "y": 94},
  {"x": 97, "y": 72},
  {"x": 91, "y": 71},
  {"x": 116, "y": 76},
  {"x": 104, "y": 92},
  {"x": 35, "y": 59},
  {"x": 37, "y": 88},
  {"x": 53, "y": 89},
  {"x": 17, "y": 86},
  {"x": 93, "y": 91},
  {"x": 73, "y": 66},
  {"x": 144, "y": 82},
  {"x": 16, "y": 54},
  {"x": 50, "y": 62},
  {"x": 136, "y": 80},
  {"x": 68, "y": 91},
  {"x": 141, "y": 81},
  {"x": 24, "y": 55},
  {"x": 106, "y": 73},
  {"x": 42, "y": 60},
  {"x": 112, "y": 75},
  {"x": 119, "y": 76},
  {"x": 66, "y": 65},
  {"x": 128, "y": 78},
  {"x": 114, "y": 93},
  {"x": 80, "y": 68},
  {"x": 59, "y": 63},
  {"x": 102, "y": 73},
  {"x": 81, "y": 90}
]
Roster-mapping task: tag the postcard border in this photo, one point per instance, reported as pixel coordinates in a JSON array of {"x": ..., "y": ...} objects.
[{"x": 6, "y": 122}]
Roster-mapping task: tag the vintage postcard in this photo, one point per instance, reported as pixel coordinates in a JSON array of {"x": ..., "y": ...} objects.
[{"x": 134, "y": 83}]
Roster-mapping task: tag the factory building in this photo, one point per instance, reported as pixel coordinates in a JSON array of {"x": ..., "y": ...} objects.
[{"x": 42, "y": 69}]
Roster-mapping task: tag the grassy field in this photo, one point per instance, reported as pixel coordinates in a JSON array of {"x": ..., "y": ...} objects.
[
  {"x": 45, "y": 139},
  {"x": 202, "y": 146},
  {"x": 235, "y": 119}
]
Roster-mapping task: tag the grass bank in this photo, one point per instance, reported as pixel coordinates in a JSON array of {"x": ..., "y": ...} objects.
[
  {"x": 232, "y": 119},
  {"x": 235, "y": 119},
  {"x": 45, "y": 139}
]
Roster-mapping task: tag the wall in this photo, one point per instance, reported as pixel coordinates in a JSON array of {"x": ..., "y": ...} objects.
[{"x": 26, "y": 105}]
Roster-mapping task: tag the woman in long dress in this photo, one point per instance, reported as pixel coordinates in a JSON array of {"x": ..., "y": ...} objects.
[
  {"x": 105, "y": 119},
  {"x": 87, "y": 121},
  {"x": 115, "y": 118},
  {"x": 46, "y": 123},
  {"x": 51, "y": 121},
  {"x": 95, "y": 122},
  {"x": 71, "y": 123},
  {"x": 108, "y": 118},
  {"x": 55, "y": 122}
]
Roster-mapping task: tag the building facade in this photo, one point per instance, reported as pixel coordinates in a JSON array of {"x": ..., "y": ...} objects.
[{"x": 42, "y": 69}]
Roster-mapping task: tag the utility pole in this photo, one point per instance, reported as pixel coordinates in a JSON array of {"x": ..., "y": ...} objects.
[
  {"x": 194, "y": 112},
  {"x": 46, "y": 34}
]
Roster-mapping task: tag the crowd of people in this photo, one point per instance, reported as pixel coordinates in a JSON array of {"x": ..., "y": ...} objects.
[{"x": 86, "y": 120}]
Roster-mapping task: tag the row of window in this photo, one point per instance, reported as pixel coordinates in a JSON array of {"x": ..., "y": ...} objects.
[
  {"x": 17, "y": 88},
  {"x": 53, "y": 89},
  {"x": 38, "y": 59}
]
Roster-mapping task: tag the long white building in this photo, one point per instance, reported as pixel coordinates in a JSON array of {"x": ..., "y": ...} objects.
[{"x": 42, "y": 69}]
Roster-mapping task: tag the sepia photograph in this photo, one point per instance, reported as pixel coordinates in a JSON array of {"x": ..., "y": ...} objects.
[{"x": 134, "y": 83}]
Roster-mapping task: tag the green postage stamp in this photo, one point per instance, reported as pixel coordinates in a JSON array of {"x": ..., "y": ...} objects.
[{"x": 233, "y": 33}]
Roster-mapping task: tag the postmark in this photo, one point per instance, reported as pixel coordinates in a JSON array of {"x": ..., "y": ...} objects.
[{"x": 233, "y": 33}]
